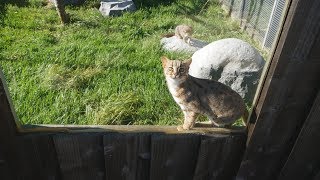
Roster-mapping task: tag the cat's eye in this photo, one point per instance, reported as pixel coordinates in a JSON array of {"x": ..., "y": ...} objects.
[
  {"x": 170, "y": 69},
  {"x": 181, "y": 70}
]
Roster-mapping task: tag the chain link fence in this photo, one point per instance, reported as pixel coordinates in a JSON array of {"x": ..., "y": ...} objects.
[{"x": 261, "y": 18}]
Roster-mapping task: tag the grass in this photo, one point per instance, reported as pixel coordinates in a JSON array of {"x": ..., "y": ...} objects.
[{"x": 98, "y": 70}]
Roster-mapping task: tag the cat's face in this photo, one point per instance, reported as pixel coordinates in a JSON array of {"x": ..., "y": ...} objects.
[{"x": 175, "y": 69}]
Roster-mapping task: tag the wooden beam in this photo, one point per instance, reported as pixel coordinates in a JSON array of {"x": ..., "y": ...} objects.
[
  {"x": 9, "y": 162},
  {"x": 127, "y": 156},
  {"x": 303, "y": 162},
  {"x": 219, "y": 157},
  {"x": 80, "y": 156},
  {"x": 288, "y": 93},
  {"x": 126, "y": 129},
  {"x": 38, "y": 158},
  {"x": 173, "y": 156}
]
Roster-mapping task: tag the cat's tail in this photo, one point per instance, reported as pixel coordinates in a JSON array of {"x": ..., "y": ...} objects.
[
  {"x": 245, "y": 117},
  {"x": 168, "y": 35}
]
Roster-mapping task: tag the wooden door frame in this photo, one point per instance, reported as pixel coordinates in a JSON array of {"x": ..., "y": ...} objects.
[{"x": 287, "y": 93}]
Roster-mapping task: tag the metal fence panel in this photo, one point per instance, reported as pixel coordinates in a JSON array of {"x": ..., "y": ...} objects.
[{"x": 261, "y": 18}]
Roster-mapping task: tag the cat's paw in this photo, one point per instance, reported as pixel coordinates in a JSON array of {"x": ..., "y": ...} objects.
[
  {"x": 183, "y": 128},
  {"x": 180, "y": 128}
]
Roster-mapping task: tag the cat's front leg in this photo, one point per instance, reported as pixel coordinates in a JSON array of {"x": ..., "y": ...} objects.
[{"x": 189, "y": 120}]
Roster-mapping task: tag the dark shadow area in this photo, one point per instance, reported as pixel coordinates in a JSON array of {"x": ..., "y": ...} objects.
[
  {"x": 3, "y": 8},
  {"x": 195, "y": 8},
  {"x": 202, "y": 7},
  {"x": 152, "y": 3}
]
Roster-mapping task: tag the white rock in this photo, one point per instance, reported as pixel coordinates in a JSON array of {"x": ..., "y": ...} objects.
[
  {"x": 116, "y": 7},
  {"x": 230, "y": 61},
  {"x": 176, "y": 44}
]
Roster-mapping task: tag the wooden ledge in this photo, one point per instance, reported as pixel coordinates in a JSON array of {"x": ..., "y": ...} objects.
[{"x": 127, "y": 129}]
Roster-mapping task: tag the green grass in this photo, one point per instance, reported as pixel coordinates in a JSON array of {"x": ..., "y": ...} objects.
[{"x": 98, "y": 70}]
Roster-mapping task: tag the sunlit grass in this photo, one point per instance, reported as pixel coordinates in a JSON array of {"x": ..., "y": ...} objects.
[{"x": 99, "y": 70}]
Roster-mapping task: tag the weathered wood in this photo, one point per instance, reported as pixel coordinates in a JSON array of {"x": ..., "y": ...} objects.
[
  {"x": 80, "y": 156},
  {"x": 219, "y": 157},
  {"x": 5, "y": 172},
  {"x": 144, "y": 149},
  {"x": 9, "y": 162},
  {"x": 38, "y": 159},
  {"x": 173, "y": 156},
  {"x": 317, "y": 176},
  {"x": 288, "y": 93},
  {"x": 127, "y": 156},
  {"x": 303, "y": 162},
  {"x": 128, "y": 129}
]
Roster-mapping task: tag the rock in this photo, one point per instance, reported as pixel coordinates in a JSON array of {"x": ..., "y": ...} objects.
[
  {"x": 176, "y": 44},
  {"x": 116, "y": 7},
  {"x": 232, "y": 62}
]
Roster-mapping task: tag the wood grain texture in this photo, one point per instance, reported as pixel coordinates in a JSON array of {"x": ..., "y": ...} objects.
[
  {"x": 5, "y": 172},
  {"x": 173, "y": 156},
  {"x": 303, "y": 162},
  {"x": 219, "y": 157},
  {"x": 9, "y": 162},
  {"x": 128, "y": 129},
  {"x": 80, "y": 156},
  {"x": 38, "y": 158},
  {"x": 127, "y": 156},
  {"x": 288, "y": 93}
]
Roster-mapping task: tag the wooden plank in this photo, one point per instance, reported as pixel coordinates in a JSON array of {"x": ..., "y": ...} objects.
[
  {"x": 128, "y": 129},
  {"x": 38, "y": 158},
  {"x": 287, "y": 95},
  {"x": 144, "y": 149},
  {"x": 173, "y": 156},
  {"x": 5, "y": 172},
  {"x": 9, "y": 163},
  {"x": 219, "y": 157},
  {"x": 127, "y": 156},
  {"x": 303, "y": 162},
  {"x": 317, "y": 176},
  {"x": 80, "y": 156}
]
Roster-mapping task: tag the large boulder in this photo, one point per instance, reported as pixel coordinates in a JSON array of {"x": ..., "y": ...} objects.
[
  {"x": 230, "y": 61},
  {"x": 174, "y": 43},
  {"x": 116, "y": 7}
]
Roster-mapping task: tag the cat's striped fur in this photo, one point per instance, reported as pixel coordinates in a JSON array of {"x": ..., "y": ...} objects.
[{"x": 222, "y": 105}]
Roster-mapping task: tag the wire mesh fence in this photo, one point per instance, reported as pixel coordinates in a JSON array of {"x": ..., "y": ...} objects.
[{"x": 261, "y": 18}]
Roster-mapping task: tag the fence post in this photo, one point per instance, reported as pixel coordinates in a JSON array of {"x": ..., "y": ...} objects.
[{"x": 274, "y": 22}]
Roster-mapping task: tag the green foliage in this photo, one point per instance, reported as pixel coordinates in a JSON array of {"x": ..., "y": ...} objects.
[{"x": 98, "y": 70}]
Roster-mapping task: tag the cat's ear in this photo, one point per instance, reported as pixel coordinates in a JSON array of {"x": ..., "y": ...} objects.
[
  {"x": 164, "y": 60},
  {"x": 188, "y": 62}
]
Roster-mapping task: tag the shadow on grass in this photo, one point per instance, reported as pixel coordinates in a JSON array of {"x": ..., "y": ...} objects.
[
  {"x": 3, "y": 9},
  {"x": 193, "y": 8},
  {"x": 152, "y": 3}
]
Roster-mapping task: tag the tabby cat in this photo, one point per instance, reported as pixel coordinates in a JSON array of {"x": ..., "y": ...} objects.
[{"x": 218, "y": 102}]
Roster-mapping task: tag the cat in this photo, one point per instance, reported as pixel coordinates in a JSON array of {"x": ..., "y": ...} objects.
[
  {"x": 183, "y": 32},
  {"x": 222, "y": 105}
]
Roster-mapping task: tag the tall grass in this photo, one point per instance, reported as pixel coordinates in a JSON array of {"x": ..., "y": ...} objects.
[{"x": 99, "y": 70}]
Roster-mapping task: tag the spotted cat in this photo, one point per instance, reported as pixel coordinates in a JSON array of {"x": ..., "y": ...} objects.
[{"x": 222, "y": 105}]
